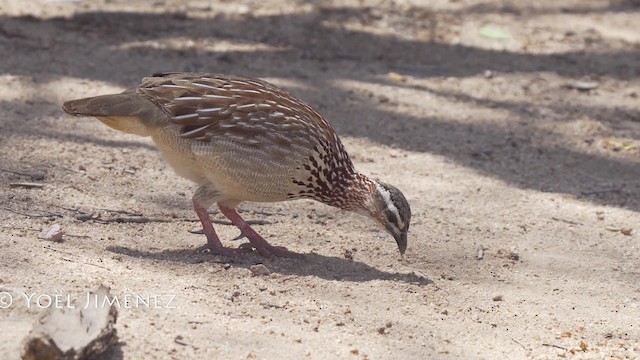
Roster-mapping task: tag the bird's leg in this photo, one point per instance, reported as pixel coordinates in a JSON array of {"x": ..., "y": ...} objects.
[
  {"x": 213, "y": 242},
  {"x": 258, "y": 242}
]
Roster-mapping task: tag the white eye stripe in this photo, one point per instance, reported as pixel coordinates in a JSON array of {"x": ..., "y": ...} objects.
[{"x": 386, "y": 196}]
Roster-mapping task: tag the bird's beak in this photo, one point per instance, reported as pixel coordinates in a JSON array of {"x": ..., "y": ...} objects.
[{"x": 401, "y": 240}]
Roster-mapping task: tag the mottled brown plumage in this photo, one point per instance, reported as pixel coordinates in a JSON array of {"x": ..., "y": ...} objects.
[{"x": 243, "y": 139}]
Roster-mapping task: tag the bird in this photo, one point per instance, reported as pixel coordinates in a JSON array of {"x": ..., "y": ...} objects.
[{"x": 243, "y": 139}]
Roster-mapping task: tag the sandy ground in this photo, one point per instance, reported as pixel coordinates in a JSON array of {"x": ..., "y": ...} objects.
[{"x": 511, "y": 126}]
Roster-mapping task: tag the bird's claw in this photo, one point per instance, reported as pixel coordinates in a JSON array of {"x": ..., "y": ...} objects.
[{"x": 242, "y": 235}]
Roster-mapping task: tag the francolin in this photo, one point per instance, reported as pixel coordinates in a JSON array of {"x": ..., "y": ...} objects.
[{"x": 244, "y": 139}]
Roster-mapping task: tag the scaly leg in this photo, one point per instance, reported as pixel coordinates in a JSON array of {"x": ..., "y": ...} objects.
[
  {"x": 264, "y": 248},
  {"x": 213, "y": 242}
]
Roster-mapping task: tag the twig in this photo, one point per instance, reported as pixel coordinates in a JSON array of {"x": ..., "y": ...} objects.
[
  {"x": 78, "y": 236},
  {"x": 141, "y": 219},
  {"x": 250, "y": 222},
  {"x": 266, "y": 213},
  {"x": 137, "y": 219},
  {"x": 31, "y": 229},
  {"x": 65, "y": 208},
  {"x": 68, "y": 169},
  {"x": 101, "y": 267},
  {"x": 483, "y": 154},
  {"x": 603, "y": 191},
  {"x": 31, "y": 215},
  {"x": 33, "y": 176},
  {"x": 120, "y": 211},
  {"x": 226, "y": 222},
  {"x": 17, "y": 228},
  {"x": 566, "y": 221},
  {"x": 77, "y": 210},
  {"x": 555, "y": 346},
  {"x": 178, "y": 340},
  {"x": 519, "y": 343},
  {"x": 222, "y": 222},
  {"x": 26, "y": 185},
  {"x": 60, "y": 251},
  {"x": 72, "y": 254}
]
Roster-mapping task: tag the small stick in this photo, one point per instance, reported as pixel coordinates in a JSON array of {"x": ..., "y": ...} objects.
[
  {"x": 120, "y": 211},
  {"x": 178, "y": 340},
  {"x": 555, "y": 346},
  {"x": 566, "y": 221},
  {"x": 17, "y": 228},
  {"x": 26, "y": 185},
  {"x": 68, "y": 169},
  {"x": 35, "y": 176},
  {"x": 60, "y": 251},
  {"x": 102, "y": 209},
  {"x": 221, "y": 222},
  {"x": 78, "y": 236},
  {"x": 137, "y": 219},
  {"x": 250, "y": 222},
  {"x": 226, "y": 222},
  {"x": 262, "y": 212},
  {"x": 65, "y": 208},
  {"x": 101, "y": 267},
  {"x": 519, "y": 343},
  {"x": 72, "y": 254},
  {"x": 30, "y": 215}
]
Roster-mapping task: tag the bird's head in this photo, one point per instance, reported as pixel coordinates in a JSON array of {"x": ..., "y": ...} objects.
[{"x": 388, "y": 207}]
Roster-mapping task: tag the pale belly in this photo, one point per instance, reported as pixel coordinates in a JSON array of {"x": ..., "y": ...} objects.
[{"x": 241, "y": 173}]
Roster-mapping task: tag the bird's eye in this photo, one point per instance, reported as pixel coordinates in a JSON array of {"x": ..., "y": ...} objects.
[{"x": 392, "y": 218}]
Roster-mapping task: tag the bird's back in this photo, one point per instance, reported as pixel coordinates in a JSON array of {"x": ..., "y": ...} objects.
[{"x": 252, "y": 139}]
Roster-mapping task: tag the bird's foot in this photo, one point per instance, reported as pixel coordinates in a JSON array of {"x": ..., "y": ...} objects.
[{"x": 257, "y": 242}]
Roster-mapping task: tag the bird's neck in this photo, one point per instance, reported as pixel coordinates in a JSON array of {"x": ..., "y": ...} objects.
[{"x": 355, "y": 194}]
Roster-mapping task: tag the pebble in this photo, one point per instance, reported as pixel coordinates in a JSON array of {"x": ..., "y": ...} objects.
[
  {"x": 259, "y": 269},
  {"x": 583, "y": 85},
  {"x": 84, "y": 216},
  {"x": 52, "y": 233}
]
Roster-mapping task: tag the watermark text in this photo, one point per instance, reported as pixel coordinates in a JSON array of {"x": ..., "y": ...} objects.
[{"x": 84, "y": 301}]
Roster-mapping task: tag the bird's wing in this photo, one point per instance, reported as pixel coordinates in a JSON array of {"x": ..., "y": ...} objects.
[{"x": 249, "y": 111}]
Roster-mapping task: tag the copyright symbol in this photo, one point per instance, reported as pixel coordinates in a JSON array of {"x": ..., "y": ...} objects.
[{"x": 5, "y": 300}]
